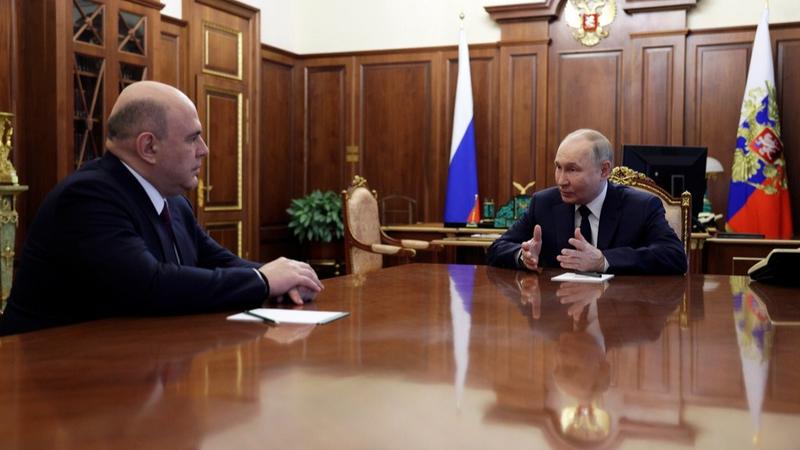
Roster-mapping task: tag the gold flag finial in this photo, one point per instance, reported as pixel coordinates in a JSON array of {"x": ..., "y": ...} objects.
[{"x": 461, "y": 16}]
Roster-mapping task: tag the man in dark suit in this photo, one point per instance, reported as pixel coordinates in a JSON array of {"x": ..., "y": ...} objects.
[
  {"x": 587, "y": 223},
  {"x": 118, "y": 238}
]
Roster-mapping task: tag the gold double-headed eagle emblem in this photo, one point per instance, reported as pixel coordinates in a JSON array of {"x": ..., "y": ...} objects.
[{"x": 590, "y": 19}]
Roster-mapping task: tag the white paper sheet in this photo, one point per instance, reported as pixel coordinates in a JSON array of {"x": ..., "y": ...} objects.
[
  {"x": 290, "y": 316},
  {"x": 574, "y": 277}
]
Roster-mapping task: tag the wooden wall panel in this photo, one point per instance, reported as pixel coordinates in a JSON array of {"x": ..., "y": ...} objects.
[
  {"x": 276, "y": 142},
  {"x": 171, "y": 58},
  {"x": 222, "y": 125},
  {"x": 656, "y": 104},
  {"x": 228, "y": 234},
  {"x": 325, "y": 127},
  {"x": 587, "y": 93},
  {"x": 276, "y": 154},
  {"x": 716, "y": 74},
  {"x": 483, "y": 71},
  {"x": 395, "y": 111},
  {"x": 7, "y": 55},
  {"x": 654, "y": 93},
  {"x": 787, "y": 78},
  {"x": 523, "y": 118}
]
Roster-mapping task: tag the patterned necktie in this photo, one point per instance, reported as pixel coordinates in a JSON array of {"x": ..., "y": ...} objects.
[
  {"x": 166, "y": 222},
  {"x": 586, "y": 229}
]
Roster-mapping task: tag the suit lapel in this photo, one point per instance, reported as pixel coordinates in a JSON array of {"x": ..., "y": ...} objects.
[
  {"x": 139, "y": 198},
  {"x": 609, "y": 216}
]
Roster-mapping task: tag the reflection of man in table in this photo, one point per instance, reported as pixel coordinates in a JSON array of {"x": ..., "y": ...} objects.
[
  {"x": 587, "y": 223},
  {"x": 586, "y": 321}
]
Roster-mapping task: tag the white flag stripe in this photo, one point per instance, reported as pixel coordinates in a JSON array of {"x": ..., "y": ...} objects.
[{"x": 463, "y": 107}]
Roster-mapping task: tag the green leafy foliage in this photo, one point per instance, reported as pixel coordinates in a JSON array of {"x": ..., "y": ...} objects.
[{"x": 317, "y": 217}]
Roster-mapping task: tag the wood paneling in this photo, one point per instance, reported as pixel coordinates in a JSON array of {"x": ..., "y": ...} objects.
[
  {"x": 587, "y": 94},
  {"x": 276, "y": 155},
  {"x": 396, "y": 113},
  {"x": 787, "y": 79},
  {"x": 228, "y": 234},
  {"x": 523, "y": 121},
  {"x": 325, "y": 127},
  {"x": 7, "y": 54},
  {"x": 655, "y": 89},
  {"x": 716, "y": 74},
  {"x": 171, "y": 58},
  {"x": 222, "y": 50},
  {"x": 224, "y": 71},
  {"x": 222, "y": 121}
]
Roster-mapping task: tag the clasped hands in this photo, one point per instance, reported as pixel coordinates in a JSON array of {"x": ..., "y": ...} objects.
[
  {"x": 584, "y": 256},
  {"x": 294, "y": 278}
]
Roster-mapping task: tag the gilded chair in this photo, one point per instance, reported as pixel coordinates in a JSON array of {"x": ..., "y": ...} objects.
[
  {"x": 678, "y": 210},
  {"x": 365, "y": 244}
]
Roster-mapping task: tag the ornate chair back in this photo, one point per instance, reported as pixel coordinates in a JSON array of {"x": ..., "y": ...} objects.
[
  {"x": 678, "y": 210},
  {"x": 361, "y": 224}
]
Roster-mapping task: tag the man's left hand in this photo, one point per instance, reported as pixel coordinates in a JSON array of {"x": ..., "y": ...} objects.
[{"x": 584, "y": 257}]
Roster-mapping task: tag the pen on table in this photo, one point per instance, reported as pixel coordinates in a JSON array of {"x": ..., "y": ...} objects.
[
  {"x": 589, "y": 274},
  {"x": 264, "y": 318}
]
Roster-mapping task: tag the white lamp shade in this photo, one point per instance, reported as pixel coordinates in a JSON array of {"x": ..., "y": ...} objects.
[{"x": 713, "y": 165}]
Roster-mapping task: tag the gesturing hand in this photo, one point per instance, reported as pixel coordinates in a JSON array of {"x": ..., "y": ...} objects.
[
  {"x": 530, "y": 294},
  {"x": 585, "y": 256},
  {"x": 531, "y": 249},
  {"x": 296, "y": 278}
]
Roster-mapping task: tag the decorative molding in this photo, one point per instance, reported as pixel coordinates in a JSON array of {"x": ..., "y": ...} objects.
[
  {"x": 637, "y": 6},
  {"x": 229, "y": 6},
  {"x": 149, "y": 3},
  {"x": 650, "y": 34},
  {"x": 524, "y": 12},
  {"x": 174, "y": 21}
]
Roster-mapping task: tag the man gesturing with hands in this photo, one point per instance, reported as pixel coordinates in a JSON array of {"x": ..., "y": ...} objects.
[{"x": 587, "y": 223}]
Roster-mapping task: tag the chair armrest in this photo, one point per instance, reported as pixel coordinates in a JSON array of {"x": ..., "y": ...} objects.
[
  {"x": 411, "y": 243},
  {"x": 384, "y": 249},
  {"x": 421, "y": 245}
]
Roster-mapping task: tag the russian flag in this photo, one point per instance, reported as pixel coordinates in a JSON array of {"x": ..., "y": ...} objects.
[
  {"x": 758, "y": 200},
  {"x": 461, "y": 203}
]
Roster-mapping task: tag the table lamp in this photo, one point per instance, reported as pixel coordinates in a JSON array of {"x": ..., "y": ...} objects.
[{"x": 713, "y": 167}]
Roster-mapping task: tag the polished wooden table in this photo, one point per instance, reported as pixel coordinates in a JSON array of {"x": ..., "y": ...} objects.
[{"x": 432, "y": 356}]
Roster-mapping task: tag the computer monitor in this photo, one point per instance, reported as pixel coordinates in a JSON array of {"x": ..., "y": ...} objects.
[{"x": 674, "y": 168}]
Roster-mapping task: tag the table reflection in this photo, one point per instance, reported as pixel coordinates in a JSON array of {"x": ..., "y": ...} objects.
[{"x": 584, "y": 323}]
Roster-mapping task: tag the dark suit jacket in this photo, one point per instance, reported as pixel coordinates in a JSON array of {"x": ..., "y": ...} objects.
[
  {"x": 634, "y": 234},
  {"x": 96, "y": 248}
]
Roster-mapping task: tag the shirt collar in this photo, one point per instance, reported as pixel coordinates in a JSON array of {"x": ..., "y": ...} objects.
[
  {"x": 152, "y": 193},
  {"x": 596, "y": 205}
]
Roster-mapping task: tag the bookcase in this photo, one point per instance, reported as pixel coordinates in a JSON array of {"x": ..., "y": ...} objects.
[
  {"x": 110, "y": 45},
  {"x": 75, "y": 58}
]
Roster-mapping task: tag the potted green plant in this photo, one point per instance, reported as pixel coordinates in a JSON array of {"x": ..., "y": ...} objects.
[{"x": 317, "y": 218}]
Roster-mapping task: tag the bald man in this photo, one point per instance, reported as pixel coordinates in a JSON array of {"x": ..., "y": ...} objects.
[
  {"x": 587, "y": 223},
  {"x": 117, "y": 237}
]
